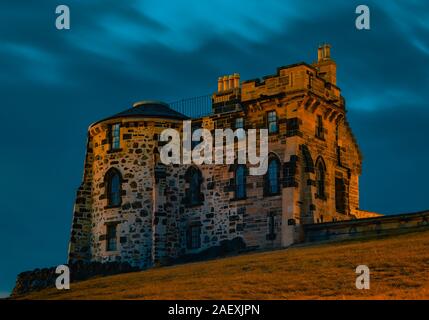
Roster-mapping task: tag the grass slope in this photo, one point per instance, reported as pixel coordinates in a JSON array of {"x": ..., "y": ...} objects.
[{"x": 399, "y": 270}]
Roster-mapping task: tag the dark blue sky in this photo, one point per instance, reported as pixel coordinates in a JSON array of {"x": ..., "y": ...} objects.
[{"x": 55, "y": 83}]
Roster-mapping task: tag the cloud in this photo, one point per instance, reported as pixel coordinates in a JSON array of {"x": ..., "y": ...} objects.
[{"x": 55, "y": 83}]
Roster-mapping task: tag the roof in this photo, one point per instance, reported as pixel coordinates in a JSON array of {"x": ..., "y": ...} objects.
[{"x": 149, "y": 109}]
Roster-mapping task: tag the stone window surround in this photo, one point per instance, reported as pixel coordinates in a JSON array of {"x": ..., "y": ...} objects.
[
  {"x": 110, "y": 133},
  {"x": 244, "y": 197},
  {"x": 121, "y": 182},
  {"x": 118, "y": 250},
  {"x": 321, "y": 162},
  {"x": 268, "y": 122},
  {"x": 272, "y": 157},
  {"x": 320, "y": 129},
  {"x": 189, "y": 203},
  {"x": 190, "y": 226}
]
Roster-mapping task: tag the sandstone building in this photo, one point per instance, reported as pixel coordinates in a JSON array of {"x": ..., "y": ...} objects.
[{"x": 131, "y": 207}]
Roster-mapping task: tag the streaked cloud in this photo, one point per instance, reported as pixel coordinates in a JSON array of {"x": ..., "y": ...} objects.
[{"x": 55, "y": 83}]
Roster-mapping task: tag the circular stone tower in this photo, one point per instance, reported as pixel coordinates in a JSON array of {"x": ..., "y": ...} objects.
[{"x": 113, "y": 217}]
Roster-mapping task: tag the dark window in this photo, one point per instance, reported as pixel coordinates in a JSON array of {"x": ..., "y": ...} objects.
[
  {"x": 320, "y": 179},
  {"x": 194, "y": 237},
  {"x": 319, "y": 128},
  {"x": 194, "y": 178},
  {"x": 339, "y": 156},
  {"x": 271, "y": 227},
  {"x": 272, "y": 177},
  {"x": 113, "y": 187},
  {"x": 272, "y": 122},
  {"x": 197, "y": 142},
  {"x": 115, "y": 136},
  {"x": 340, "y": 195},
  {"x": 111, "y": 238},
  {"x": 240, "y": 182},
  {"x": 239, "y": 123}
]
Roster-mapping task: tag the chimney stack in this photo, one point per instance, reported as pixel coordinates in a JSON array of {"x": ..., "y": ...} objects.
[
  {"x": 326, "y": 66},
  {"x": 324, "y": 52},
  {"x": 228, "y": 82}
]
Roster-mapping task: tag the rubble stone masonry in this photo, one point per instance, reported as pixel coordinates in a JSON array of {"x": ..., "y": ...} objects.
[{"x": 157, "y": 221}]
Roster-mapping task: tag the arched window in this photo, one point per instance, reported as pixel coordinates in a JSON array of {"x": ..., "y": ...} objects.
[
  {"x": 194, "y": 177},
  {"x": 272, "y": 177},
  {"x": 113, "y": 187},
  {"x": 240, "y": 182},
  {"x": 320, "y": 178}
]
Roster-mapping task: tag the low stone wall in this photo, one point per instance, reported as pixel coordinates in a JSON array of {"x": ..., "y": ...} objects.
[
  {"x": 360, "y": 228},
  {"x": 39, "y": 279}
]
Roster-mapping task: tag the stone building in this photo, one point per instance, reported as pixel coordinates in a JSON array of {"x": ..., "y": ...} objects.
[{"x": 131, "y": 207}]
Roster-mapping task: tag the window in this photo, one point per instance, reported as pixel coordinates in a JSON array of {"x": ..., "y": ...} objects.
[
  {"x": 116, "y": 136},
  {"x": 240, "y": 182},
  {"x": 239, "y": 124},
  {"x": 194, "y": 178},
  {"x": 319, "y": 128},
  {"x": 271, "y": 227},
  {"x": 320, "y": 178},
  {"x": 194, "y": 237},
  {"x": 113, "y": 187},
  {"x": 340, "y": 195},
  {"x": 193, "y": 142},
  {"x": 272, "y": 122},
  {"x": 272, "y": 183},
  {"x": 111, "y": 238}
]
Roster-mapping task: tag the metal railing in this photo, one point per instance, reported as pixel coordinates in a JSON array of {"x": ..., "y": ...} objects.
[{"x": 195, "y": 107}]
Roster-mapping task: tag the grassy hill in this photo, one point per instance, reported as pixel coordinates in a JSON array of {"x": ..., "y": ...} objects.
[{"x": 399, "y": 269}]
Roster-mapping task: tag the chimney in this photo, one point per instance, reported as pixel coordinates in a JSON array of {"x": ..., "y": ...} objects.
[
  {"x": 231, "y": 81},
  {"x": 326, "y": 66},
  {"x": 228, "y": 82},
  {"x": 327, "y": 51},
  {"x": 236, "y": 80},
  {"x": 219, "y": 84},
  {"x": 225, "y": 83},
  {"x": 319, "y": 54}
]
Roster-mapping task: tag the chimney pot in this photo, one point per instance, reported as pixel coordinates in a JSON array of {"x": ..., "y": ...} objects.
[
  {"x": 225, "y": 83},
  {"x": 219, "y": 84},
  {"x": 320, "y": 53},
  {"x": 327, "y": 51},
  {"x": 236, "y": 80},
  {"x": 231, "y": 81}
]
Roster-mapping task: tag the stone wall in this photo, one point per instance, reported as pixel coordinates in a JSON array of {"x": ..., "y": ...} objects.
[
  {"x": 368, "y": 227},
  {"x": 39, "y": 279},
  {"x": 154, "y": 217}
]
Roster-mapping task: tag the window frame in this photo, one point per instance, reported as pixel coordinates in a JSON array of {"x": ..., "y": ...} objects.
[
  {"x": 108, "y": 178},
  {"x": 340, "y": 198},
  {"x": 267, "y": 177},
  {"x": 320, "y": 129},
  {"x": 271, "y": 226},
  {"x": 320, "y": 179},
  {"x": 193, "y": 240},
  {"x": 115, "y": 136},
  {"x": 237, "y": 194},
  {"x": 275, "y": 121},
  {"x": 111, "y": 237},
  {"x": 236, "y": 127},
  {"x": 194, "y": 197}
]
